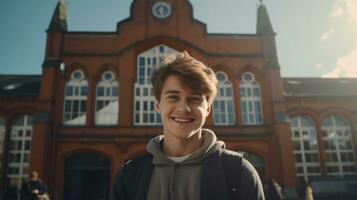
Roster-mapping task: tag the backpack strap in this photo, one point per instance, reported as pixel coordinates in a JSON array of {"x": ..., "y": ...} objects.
[{"x": 232, "y": 166}]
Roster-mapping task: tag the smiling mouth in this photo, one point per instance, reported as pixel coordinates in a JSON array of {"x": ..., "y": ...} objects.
[{"x": 182, "y": 120}]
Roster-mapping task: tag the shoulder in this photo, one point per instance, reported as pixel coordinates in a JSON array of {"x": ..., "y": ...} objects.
[
  {"x": 127, "y": 177},
  {"x": 230, "y": 153},
  {"x": 235, "y": 156},
  {"x": 137, "y": 161},
  {"x": 135, "y": 164},
  {"x": 250, "y": 184},
  {"x": 231, "y": 158},
  {"x": 249, "y": 173}
]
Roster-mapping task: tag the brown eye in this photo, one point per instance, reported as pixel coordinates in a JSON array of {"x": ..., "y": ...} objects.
[
  {"x": 172, "y": 97},
  {"x": 196, "y": 99}
]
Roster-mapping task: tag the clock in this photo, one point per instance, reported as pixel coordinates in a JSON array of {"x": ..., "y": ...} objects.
[{"x": 161, "y": 10}]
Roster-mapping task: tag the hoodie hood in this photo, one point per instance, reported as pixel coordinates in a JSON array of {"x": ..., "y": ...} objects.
[{"x": 209, "y": 146}]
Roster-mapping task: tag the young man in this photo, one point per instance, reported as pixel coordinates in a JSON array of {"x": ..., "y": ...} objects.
[{"x": 186, "y": 162}]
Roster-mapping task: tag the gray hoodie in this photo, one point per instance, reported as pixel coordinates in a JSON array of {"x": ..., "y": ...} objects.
[{"x": 172, "y": 180}]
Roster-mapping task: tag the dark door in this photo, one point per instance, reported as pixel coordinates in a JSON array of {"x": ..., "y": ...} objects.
[{"x": 86, "y": 177}]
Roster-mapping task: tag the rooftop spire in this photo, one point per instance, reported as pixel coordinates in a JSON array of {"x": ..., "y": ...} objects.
[
  {"x": 264, "y": 26},
  {"x": 59, "y": 18}
]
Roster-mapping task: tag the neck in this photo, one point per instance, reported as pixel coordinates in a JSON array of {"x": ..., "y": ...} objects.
[{"x": 176, "y": 147}]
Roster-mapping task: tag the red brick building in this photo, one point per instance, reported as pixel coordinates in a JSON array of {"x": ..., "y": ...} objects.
[{"x": 92, "y": 109}]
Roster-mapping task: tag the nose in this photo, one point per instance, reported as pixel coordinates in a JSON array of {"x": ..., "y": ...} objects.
[{"x": 184, "y": 107}]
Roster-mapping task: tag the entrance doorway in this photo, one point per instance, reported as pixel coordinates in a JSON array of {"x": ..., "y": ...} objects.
[{"x": 86, "y": 177}]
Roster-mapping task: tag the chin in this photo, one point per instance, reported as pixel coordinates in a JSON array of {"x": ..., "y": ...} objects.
[{"x": 187, "y": 135}]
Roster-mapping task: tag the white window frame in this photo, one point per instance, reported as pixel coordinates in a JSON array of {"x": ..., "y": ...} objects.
[
  {"x": 21, "y": 133},
  {"x": 334, "y": 134},
  {"x": 253, "y": 103},
  {"x": 144, "y": 99},
  {"x": 223, "y": 117},
  {"x": 75, "y": 86},
  {"x": 108, "y": 114},
  {"x": 303, "y": 133}
]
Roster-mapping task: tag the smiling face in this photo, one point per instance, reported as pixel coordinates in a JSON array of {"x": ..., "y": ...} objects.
[{"x": 183, "y": 112}]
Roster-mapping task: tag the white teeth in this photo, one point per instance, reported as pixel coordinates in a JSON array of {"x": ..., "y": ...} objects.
[{"x": 184, "y": 120}]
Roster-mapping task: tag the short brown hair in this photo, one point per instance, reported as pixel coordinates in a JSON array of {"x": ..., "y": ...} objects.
[
  {"x": 34, "y": 175},
  {"x": 193, "y": 73}
]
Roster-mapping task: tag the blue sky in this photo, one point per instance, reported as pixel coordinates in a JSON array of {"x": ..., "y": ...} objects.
[{"x": 315, "y": 38}]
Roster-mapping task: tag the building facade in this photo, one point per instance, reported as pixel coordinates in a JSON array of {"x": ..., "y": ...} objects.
[{"x": 92, "y": 108}]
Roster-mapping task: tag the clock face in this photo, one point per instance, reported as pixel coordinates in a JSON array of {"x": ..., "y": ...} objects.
[{"x": 161, "y": 10}]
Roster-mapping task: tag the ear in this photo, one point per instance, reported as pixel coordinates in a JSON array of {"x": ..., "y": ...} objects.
[
  {"x": 157, "y": 106},
  {"x": 209, "y": 109}
]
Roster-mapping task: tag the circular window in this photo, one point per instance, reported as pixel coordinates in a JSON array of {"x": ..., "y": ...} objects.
[
  {"x": 77, "y": 75},
  {"x": 161, "y": 10},
  {"x": 247, "y": 77},
  {"x": 220, "y": 77},
  {"x": 108, "y": 76}
]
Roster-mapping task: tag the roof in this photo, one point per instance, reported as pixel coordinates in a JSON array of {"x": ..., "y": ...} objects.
[
  {"x": 264, "y": 26},
  {"x": 59, "y": 18},
  {"x": 20, "y": 85},
  {"x": 319, "y": 87}
]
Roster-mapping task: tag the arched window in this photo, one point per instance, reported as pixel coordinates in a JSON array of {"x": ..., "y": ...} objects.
[
  {"x": 305, "y": 147},
  {"x": 223, "y": 108},
  {"x": 2, "y": 138},
  {"x": 250, "y": 99},
  {"x": 75, "y": 99},
  {"x": 338, "y": 146},
  {"x": 19, "y": 149},
  {"x": 256, "y": 161},
  {"x": 144, "y": 100},
  {"x": 107, "y": 104}
]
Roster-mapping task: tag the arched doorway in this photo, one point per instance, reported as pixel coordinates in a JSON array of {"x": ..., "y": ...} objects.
[
  {"x": 86, "y": 177},
  {"x": 256, "y": 161}
]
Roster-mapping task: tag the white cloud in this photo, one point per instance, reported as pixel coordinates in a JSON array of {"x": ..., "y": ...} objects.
[
  {"x": 346, "y": 66},
  {"x": 337, "y": 11},
  {"x": 344, "y": 6},
  {"x": 327, "y": 35},
  {"x": 319, "y": 66},
  {"x": 352, "y": 8}
]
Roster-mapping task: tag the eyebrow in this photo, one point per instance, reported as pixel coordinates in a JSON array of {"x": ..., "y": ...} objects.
[
  {"x": 177, "y": 92},
  {"x": 172, "y": 92}
]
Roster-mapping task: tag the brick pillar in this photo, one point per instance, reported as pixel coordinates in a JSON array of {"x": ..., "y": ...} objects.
[
  {"x": 40, "y": 146},
  {"x": 282, "y": 140}
]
